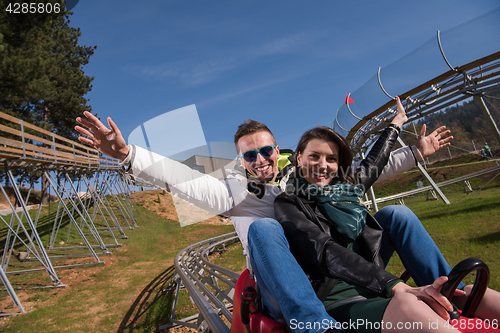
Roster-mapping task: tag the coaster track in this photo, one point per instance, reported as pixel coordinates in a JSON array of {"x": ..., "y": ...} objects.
[
  {"x": 210, "y": 287},
  {"x": 457, "y": 84}
]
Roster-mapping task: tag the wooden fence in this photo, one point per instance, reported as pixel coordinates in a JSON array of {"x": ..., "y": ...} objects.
[{"x": 24, "y": 144}]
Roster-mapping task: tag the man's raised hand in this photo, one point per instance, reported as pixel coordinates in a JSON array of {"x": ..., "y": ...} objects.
[
  {"x": 110, "y": 142},
  {"x": 428, "y": 145}
]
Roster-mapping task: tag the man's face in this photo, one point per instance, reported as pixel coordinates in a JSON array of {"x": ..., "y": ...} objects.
[{"x": 264, "y": 169}]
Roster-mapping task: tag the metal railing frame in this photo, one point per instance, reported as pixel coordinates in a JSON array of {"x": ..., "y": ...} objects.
[{"x": 201, "y": 279}]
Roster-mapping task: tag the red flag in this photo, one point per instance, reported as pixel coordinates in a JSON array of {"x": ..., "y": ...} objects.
[{"x": 348, "y": 100}]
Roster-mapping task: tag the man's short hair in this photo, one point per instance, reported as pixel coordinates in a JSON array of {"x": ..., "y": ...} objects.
[{"x": 249, "y": 127}]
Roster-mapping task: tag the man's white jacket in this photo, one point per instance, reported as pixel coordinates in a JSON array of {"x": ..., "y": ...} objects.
[{"x": 229, "y": 196}]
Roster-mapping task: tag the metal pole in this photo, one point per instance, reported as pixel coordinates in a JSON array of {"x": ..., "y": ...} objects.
[
  {"x": 11, "y": 291},
  {"x": 89, "y": 223},
  {"x": 100, "y": 202},
  {"x": 108, "y": 205},
  {"x": 80, "y": 232},
  {"x": 118, "y": 203},
  {"x": 424, "y": 172},
  {"x": 127, "y": 205},
  {"x": 96, "y": 204},
  {"x": 46, "y": 259},
  {"x": 480, "y": 101}
]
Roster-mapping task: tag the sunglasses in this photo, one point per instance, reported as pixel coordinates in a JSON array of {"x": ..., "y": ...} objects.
[{"x": 251, "y": 155}]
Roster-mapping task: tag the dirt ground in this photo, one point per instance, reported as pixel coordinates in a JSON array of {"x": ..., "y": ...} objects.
[
  {"x": 162, "y": 203},
  {"x": 68, "y": 277}
]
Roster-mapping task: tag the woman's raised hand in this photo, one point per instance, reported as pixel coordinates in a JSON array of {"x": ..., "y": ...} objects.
[
  {"x": 110, "y": 142},
  {"x": 400, "y": 117}
]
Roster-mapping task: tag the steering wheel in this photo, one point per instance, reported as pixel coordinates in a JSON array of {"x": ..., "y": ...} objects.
[{"x": 461, "y": 270}]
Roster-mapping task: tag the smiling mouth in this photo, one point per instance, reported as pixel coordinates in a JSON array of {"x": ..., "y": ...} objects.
[
  {"x": 263, "y": 169},
  {"x": 319, "y": 175}
]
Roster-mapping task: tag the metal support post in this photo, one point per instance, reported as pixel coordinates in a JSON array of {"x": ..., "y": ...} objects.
[
  {"x": 40, "y": 253},
  {"x": 80, "y": 232},
  {"x": 85, "y": 216},
  {"x": 118, "y": 204},
  {"x": 108, "y": 205},
  {"x": 97, "y": 205},
  {"x": 426, "y": 175},
  {"x": 480, "y": 101},
  {"x": 125, "y": 193},
  {"x": 127, "y": 205},
  {"x": 11, "y": 293},
  {"x": 467, "y": 187}
]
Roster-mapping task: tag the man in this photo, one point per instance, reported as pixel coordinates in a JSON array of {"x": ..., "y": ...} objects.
[
  {"x": 249, "y": 197},
  {"x": 487, "y": 150}
]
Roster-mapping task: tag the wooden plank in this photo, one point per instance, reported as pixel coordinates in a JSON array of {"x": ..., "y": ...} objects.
[
  {"x": 31, "y": 163},
  {"x": 42, "y": 152},
  {"x": 65, "y": 155},
  {"x": 41, "y": 140},
  {"x": 43, "y": 157},
  {"x": 41, "y": 130}
]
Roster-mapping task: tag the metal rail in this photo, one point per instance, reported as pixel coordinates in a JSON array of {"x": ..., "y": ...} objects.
[
  {"x": 211, "y": 287},
  {"x": 422, "y": 83},
  {"x": 441, "y": 184}
]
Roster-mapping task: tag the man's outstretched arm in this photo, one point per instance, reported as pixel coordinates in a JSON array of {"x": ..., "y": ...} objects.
[{"x": 203, "y": 191}]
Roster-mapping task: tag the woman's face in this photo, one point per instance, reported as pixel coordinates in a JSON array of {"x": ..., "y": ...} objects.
[{"x": 319, "y": 161}]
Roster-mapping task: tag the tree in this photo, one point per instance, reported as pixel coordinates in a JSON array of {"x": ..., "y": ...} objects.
[{"x": 41, "y": 76}]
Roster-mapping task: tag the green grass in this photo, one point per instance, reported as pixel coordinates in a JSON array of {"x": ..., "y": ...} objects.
[
  {"x": 468, "y": 227},
  {"x": 232, "y": 258}
]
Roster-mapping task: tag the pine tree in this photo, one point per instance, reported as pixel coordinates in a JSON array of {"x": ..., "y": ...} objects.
[{"x": 41, "y": 76}]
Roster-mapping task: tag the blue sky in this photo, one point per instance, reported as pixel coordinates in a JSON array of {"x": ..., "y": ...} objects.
[{"x": 288, "y": 64}]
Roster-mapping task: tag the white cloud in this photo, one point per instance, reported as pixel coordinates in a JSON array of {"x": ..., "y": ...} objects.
[{"x": 198, "y": 70}]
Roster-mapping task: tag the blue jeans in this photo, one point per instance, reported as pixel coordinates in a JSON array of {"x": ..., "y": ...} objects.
[
  {"x": 405, "y": 234},
  {"x": 285, "y": 289}
]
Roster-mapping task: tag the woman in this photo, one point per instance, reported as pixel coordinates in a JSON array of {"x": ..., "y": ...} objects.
[{"x": 336, "y": 241}]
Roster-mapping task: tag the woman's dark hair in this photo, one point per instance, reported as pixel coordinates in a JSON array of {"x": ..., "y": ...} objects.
[{"x": 344, "y": 172}]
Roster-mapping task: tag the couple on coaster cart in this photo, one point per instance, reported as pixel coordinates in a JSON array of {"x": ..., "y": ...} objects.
[{"x": 318, "y": 256}]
